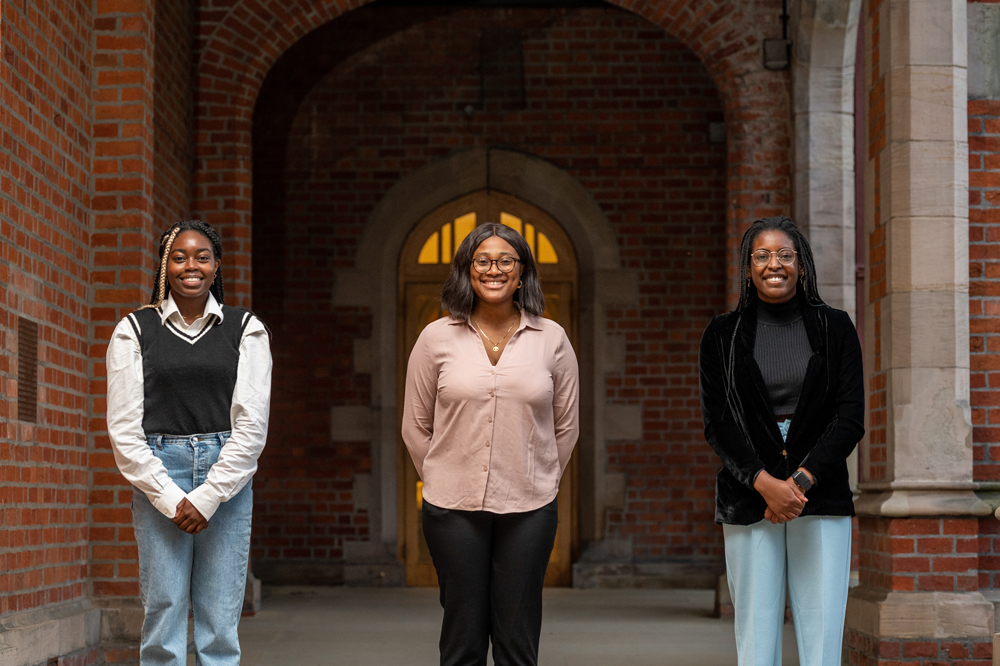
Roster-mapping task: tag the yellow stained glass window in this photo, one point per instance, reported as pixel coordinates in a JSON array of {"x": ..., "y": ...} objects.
[
  {"x": 546, "y": 254},
  {"x": 429, "y": 252},
  {"x": 512, "y": 222},
  {"x": 440, "y": 245},
  {"x": 463, "y": 227}
]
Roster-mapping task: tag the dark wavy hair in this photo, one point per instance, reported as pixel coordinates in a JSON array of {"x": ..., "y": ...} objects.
[
  {"x": 457, "y": 296},
  {"x": 161, "y": 286},
  {"x": 807, "y": 268}
]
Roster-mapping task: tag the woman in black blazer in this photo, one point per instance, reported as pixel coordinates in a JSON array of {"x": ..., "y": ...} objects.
[{"x": 782, "y": 397}]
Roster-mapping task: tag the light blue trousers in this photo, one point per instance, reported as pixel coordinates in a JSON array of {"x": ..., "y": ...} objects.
[
  {"x": 209, "y": 568},
  {"x": 812, "y": 555}
]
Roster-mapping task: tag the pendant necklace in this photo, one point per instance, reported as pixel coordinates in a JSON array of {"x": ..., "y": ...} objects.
[{"x": 496, "y": 345}]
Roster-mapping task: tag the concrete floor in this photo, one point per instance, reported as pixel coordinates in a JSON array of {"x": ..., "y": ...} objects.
[{"x": 338, "y": 626}]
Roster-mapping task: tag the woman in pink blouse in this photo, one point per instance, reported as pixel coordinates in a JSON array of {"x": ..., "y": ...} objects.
[{"x": 490, "y": 418}]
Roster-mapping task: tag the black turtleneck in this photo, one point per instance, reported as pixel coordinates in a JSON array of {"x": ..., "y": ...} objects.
[{"x": 782, "y": 352}]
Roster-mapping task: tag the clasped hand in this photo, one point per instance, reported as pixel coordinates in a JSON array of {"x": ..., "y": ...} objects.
[
  {"x": 189, "y": 518},
  {"x": 785, "y": 500}
]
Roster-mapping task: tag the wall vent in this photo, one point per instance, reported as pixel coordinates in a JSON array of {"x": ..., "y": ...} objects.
[
  {"x": 27, "y": 370},
  {"x": 501, "y": 70}
]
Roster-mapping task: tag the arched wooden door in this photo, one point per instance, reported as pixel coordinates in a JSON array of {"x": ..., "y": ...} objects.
[{"x": 423, "y": 267}]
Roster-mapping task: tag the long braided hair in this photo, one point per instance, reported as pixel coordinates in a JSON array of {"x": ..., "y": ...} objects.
[
  {"x": 161, "y": 287},
  {"x": 748, "y": 296},
  {"x": 807, "y": 268}
]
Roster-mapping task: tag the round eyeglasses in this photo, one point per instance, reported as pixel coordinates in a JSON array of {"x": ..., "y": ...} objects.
[
  {"x": 761, "y": 258},
  {"x": 483, "y": 264}
]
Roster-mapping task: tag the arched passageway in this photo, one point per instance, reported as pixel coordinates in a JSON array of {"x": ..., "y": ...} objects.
[
  {"x": 615, "y": 144},
  {"x": 109, "y": 121},
  {"x": 240, "y": 43}
]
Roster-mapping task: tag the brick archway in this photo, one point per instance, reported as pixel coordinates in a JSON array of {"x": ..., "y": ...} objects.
[{"x": 243, "y": 40}]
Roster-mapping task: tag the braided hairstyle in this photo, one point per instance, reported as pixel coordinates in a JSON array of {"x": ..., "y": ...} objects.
[
  {"x": 161, "y": 287},
  {"x": 807, "y": 268}
]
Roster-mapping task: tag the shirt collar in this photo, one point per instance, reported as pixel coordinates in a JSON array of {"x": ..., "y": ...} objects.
[
  {"x": 169, "y": 308},
  {"x": 528, "y": 320}
]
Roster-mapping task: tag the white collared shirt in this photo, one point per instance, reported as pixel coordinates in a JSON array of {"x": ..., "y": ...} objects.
[{"x": 248, "y": 415}]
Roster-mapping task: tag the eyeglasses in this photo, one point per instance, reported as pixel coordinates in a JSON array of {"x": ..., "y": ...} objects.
[
  {"x": 484, "y": 264},
  {"x": 761, "y": 258}
]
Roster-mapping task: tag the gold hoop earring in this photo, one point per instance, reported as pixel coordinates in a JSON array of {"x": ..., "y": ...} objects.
[{"x": 519, "y": 284}]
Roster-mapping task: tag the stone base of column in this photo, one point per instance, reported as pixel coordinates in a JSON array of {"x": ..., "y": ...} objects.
[
  {"x": 918, "y": 628},
  {"x": 41, "y": 636}
]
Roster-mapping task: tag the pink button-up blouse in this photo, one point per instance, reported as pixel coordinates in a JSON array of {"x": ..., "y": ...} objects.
[{"x": 491, "y": 438}]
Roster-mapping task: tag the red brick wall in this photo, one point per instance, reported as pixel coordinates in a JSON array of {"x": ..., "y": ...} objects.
[
  {"x": 619, "y": 105},
  {"x": 984, "y": 315},
  {"x": 873, "y": 466},
  {"x": 123, "y": 247},
  {"x": 984, "y": 285},
  {"x": 173, "y": 143},
  {"x": 867, "y": 651},
  {"x": 45, "y": 189},
  {"x": 238, "y": 42},
  {"x": 919, "y": 554}
]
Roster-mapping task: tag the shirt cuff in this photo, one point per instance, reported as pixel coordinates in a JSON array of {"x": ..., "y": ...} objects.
[
  {"x": 168, "y": 501},
  {"x": 205, "y": 499}
]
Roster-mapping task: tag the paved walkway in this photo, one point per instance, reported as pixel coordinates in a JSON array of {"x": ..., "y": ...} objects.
[{"x": 338, "y": 626}]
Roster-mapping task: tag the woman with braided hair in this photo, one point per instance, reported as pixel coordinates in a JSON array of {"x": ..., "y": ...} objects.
[
  {"x": 188, "y": 396},
  {"x": 783, "y": 403}
]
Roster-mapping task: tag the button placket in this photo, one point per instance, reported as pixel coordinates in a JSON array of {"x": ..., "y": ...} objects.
[{"x": 199, "y": 461}]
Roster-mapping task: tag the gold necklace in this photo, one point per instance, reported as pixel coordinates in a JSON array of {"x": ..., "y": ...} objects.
[{"x": 496, "y": 345}]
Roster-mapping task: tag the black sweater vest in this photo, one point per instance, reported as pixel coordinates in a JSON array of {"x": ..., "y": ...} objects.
[{"x": 188, "y": 387}]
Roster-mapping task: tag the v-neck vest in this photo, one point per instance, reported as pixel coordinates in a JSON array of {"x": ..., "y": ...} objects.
[{"x": 188, "y": 380}]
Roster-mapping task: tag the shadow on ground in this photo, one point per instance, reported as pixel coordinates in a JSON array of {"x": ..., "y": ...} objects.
[{"x": 338, "y": 626}]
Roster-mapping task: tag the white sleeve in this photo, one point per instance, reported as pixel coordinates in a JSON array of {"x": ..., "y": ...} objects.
[
  {"x": 248, "y": 415},
  {"x": 133, "y": 456}
]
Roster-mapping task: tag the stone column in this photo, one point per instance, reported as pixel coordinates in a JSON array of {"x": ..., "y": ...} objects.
[
  {"x": 919, "y": 593},
  {"x": 823, "y": 51}
]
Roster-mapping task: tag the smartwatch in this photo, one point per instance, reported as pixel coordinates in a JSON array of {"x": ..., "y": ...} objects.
[{"x": 801, "y": 479}]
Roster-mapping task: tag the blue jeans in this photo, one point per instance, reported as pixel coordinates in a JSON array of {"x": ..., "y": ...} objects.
[{"x": 209, "y": 568}]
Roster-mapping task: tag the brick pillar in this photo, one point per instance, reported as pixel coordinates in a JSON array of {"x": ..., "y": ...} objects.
[
  {"x": 124, "y": 256},
  {"x": 919, "y": 598}
]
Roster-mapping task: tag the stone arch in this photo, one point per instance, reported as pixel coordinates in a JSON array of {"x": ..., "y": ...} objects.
[
  {"x": 243, "y": 40},
  {"x": 823, "y": 61},
  {"x": 602, "y": 282}
]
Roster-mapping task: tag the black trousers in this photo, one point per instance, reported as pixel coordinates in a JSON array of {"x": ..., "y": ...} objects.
[{"x": 490, "y": 567}]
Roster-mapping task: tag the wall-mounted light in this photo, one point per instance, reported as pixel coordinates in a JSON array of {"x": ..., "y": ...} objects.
[
  {"x": 778, "y": 52},
  {"x": 717, "y": 132}
]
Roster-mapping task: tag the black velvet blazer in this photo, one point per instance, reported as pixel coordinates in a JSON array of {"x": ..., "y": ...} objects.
[{"x": 739, "y": 422}]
